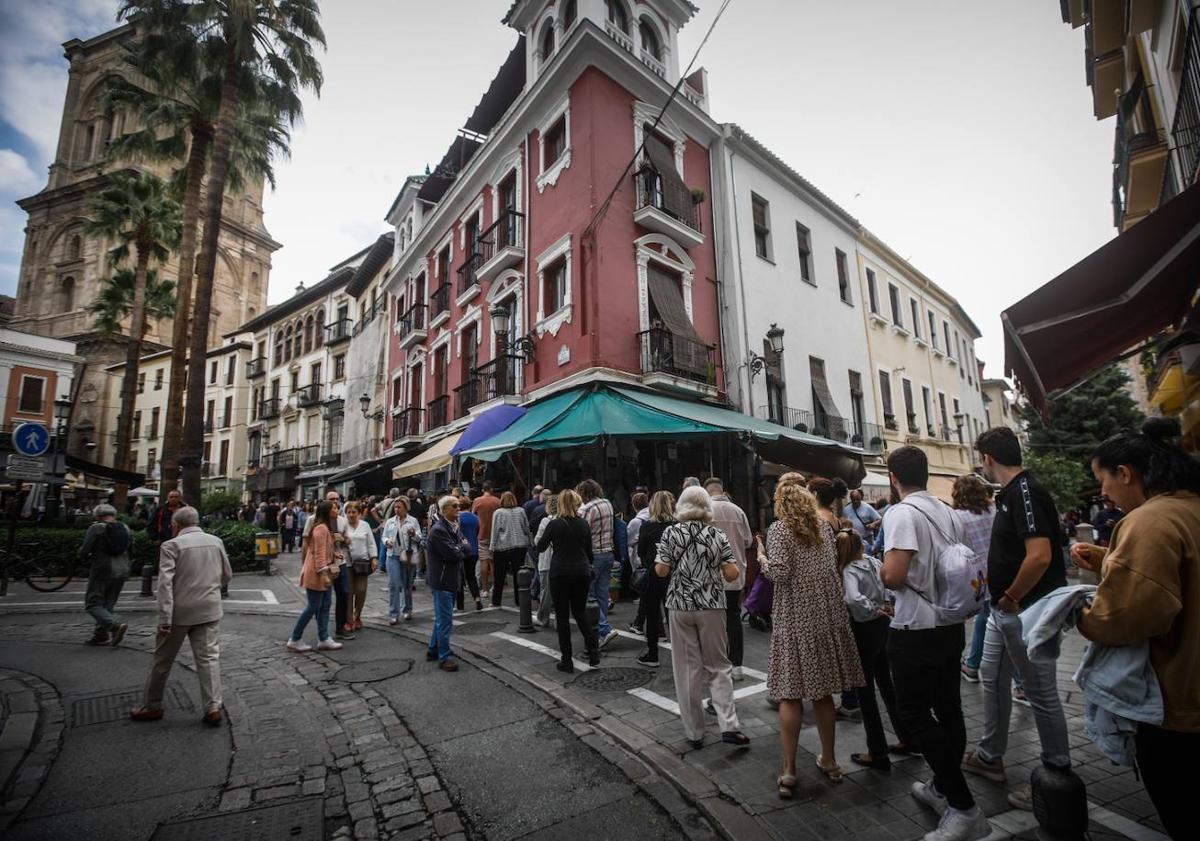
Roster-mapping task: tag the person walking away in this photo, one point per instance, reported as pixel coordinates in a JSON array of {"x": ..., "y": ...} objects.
[
  {"x": 569, "y": 539},
  {"x": 863, "y": 518},
  {"x": 363, "y": 561},
  {"x": 972, "y": 504},
  {"x": 731, "y": 520},
  {"x": 536, "y": 514},
  {"x": 447, "y": 550},
  {"x": 288, "y": 526},
  {"x": 271, "y": 515},
  {"x": 468, "y": 526},
  {"x": 1023, "y": 565},
  {"x": 1149, "y": 592},
  {"x": 870, "y": 614},
  {"x": 641, "y": 515},
  {"x": 510, "y": 542},
  {"x": 812, "y": 647},
  {"x": 318, "y": 571},
  {"x": 106, "y": 548},
  {"x": 194, "y": 568},
  {"x": 1106, "y": 520},
  {"x": 661, "y": 512},
  {"x": 544, "y": 559},
  {"x": 925, "y": 649},
  {"x": 401, "y": 534},
  {"x": 597, "y": 512},
  {"x": 484, "y": 508},
  {"x": 621, "y": 569},
  {"x": 829, "y": 494},
  {"x": 697, "y": 557}
]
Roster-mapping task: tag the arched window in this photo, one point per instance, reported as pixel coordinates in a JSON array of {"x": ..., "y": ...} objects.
[
  {"x": 650, "y": 40},
  {"x": 298, "y": 339},
  {"x": 74, "y": 248},
  {"x": 66, "y": 294},
  {"x": 617, "y": 15},
  {"x": 308, "y": 334},
  {"x": 319, "y": 339},
  {"x": 569, "y": 14},
  {"x": 547, "y": 40},
  {"x": 280, "y": 347}
]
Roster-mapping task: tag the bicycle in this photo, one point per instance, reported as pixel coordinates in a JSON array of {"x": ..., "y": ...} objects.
[{"x": 40, "y": 571}]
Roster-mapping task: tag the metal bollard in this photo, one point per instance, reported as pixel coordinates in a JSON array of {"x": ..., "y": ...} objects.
[
  {"x": 524, "y": 580},
  {"x": 147, "y": 580},
  {"x": 1059, "y": 804}
]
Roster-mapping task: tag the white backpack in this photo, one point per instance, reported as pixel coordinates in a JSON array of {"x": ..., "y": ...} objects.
[{"x": 959, "y": 579}]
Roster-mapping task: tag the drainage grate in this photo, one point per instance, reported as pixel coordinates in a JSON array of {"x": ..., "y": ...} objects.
[
  {"x": 373, "y": 671},
  {"x": 478, "y": 629},
  {"x": 104, "y": 708},
  {"x": 296, "y": 820},
  {"x": 617, "y": 679}
]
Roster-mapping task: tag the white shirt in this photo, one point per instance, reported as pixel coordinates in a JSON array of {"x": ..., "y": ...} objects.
[
  {"x": 362, "y": 541},
  {"x": 907, "y": 529}
]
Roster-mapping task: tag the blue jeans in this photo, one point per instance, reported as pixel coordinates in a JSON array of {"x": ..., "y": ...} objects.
[
  {"x": 318, "y": 606},
  {"x": 443, "y": 621},
  {"x": 602, "y": 565},
  {"x": 400, "y": 581},
  {"x": 975, "y": 655}
]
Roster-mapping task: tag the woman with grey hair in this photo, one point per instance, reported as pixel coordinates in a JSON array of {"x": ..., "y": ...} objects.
[
  {"x": 698, "y": 559},
  {"x": 106, "y": 546}
]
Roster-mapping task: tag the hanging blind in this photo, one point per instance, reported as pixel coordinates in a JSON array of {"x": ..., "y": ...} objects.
[
  {"x": 675, "y": 197},
  {"x": 684, "y": 344}
]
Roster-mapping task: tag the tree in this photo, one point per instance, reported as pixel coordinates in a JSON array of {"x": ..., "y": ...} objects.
[
  {"x": 1063, "y": 477},
  {"x": 273, "y": 38},
  {"x": 114, "y": 304},
  {"x": 138, "y": 211},
  {"x": 175, "y": 113}
]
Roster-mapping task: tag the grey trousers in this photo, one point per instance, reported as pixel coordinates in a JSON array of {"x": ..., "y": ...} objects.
[
  {"x": 545, "y": 604},
  {"x": 1003, "y": 648},
  {"x": 699, "y": 658},
  {"x": 206, "y": 651},
  {"x": 101, "y": 600}
]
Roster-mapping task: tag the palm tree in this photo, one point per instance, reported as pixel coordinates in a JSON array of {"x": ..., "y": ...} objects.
[
  {"x": 138, "y": 211},
  {"x": 272, "y": 38},
  {"x": 115, "y": 302},
  {"x": 176, "y": 111}
]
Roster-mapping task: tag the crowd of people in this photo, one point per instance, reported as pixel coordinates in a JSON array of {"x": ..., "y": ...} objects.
[{"x": 909, "y": 598}]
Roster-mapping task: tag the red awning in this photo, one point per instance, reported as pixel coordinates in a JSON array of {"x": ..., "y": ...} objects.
[{"x": 1133, "y": 287}]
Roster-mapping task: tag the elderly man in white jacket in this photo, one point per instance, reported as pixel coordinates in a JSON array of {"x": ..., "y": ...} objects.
[
  {"x": 193, "y": 566},
  {"x": 402, "y": 544}
]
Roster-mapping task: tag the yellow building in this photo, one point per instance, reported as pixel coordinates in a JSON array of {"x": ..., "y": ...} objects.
[{"x": 922, "y": 350}]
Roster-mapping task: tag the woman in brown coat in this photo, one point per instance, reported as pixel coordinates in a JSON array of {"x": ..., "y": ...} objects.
[{"x": 320, "y": 567}]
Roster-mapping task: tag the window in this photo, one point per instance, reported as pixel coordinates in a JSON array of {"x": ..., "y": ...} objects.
[
  {"x": 471, "y": 235},
  {"x": 314, "y": 376},
  {"x": 649, "y": 40},
  {"x": 873, "y": 291},
  {"x": 141, "y": 386},
  {"x": 332, "y": 444},
  {"x": 154, "y": 422},
  {"x": 287, "y": 344},
  {"x": 229, "y": 366},
  {"x": 33, "y": 395},
  {"x": 958, "y": 419},
  {"x": 909, "y": 410},
  {"x": 137, "y": 425},
  {"x": 319, "y": 338},
  {"x": 570, "y": 13},
  {"x": 397, "y": 392},
  {"x": 894, "y": 300},
  {"x": 151, "y": 461},
  {"x": 308, "y": 333},
  {"x": 66, "y": 294},
  {"x": 933, "y": 330},
  {"x": 74, "y": 248},
  {"x": 298, "y": 339},
  {"x": 946, "y": 334},
  {"x": 256, "y": 396},
  {"x": 843, "y": 276},
  {"x": 927, "y": 404},
  {"x": 212, "y": 375},
  {"x": 339, "y": 367},
  {"x": 207, "y": 453},
  {"x": 227, "y": 415},
  {"x": 804, "y": 247},
  {"x": 959, "y": 354},
  {"x": 546, "y": 42},
  {"x": 885, "y": 395},
  {"x": 858, "y": 411},
  {"x": 223, "y": 465},
  {"x": 209, "y": 413},
  {"x": 279, "y": 347},
  {"x": 554, "y": 286},
  {"x": 443, "y": 266},
  {"x": 617, "y": 16},
  {"x": 945, "y": 417},
  {"x": 761, "y": 211},
  {"x": 158, "y": 379},
  {"x": 915, "y": 308},
  {"x": 554, "y": 143},
  {"x": 294, "y": 384}
]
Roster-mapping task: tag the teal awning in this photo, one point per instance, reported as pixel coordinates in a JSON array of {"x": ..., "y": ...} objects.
[{"x": 588, "y": 414}]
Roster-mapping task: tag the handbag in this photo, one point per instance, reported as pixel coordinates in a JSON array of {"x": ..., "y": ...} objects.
[
  {"x": 638, "y": 580},
  {"x": 361, "y": 566}
]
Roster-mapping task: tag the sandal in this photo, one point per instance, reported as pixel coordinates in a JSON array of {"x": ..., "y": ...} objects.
[
  {"x": 735, "y": 737},
  {"x": 833, "y": 772},
  {"x": 869, "y": 760},
  {"x": 787, "y": 786}
]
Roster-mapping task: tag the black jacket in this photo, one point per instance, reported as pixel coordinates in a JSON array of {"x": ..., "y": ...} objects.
[
  {"x": 572, "y": 540},
  {"x": 444, "y": 555}
]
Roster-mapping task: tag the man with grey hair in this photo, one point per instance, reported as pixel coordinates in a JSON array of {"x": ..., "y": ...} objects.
[
  {"x": 106, "y": 546},
  {"x": 690, "y": 482},
  {"x": 192, "y": 569}
]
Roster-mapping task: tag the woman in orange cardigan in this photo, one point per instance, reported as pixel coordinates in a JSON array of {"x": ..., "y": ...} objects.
[{"x": 320, "y": 568}]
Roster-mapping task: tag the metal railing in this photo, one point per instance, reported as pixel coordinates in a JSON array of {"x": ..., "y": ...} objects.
[
  {"x": 331, "y": 460},
  {"x": 868, "y": 436},
  {"x": 269, "y": 408},
  {"x": 412, "y": 320},
  {"x": 407, "y": 424},
  {"x": 206, "y": 469},
  {"x": 1136, "y": 131},
  {"x": 282, "y": 458},
  {"x": 677, "y": 202},
  {"x": 310, "y": 395},
  {"x": 208, "y": 427},
  {"x": 439, "y": 301},
  {"x": 498, "y": 378},
  {"x": 468, "y": 272},
  {"x": 337, "y": 331},
  {"x": 1185, "y": 128},
  {"x": 309, "y": 455},
  {"x": 226, "y": 421},
  {"x": 256, "y": 367},
  {"x": 662, "y": 352},
  {"x": 505, "y": 232},
  {"x": 439, "y": 411}
]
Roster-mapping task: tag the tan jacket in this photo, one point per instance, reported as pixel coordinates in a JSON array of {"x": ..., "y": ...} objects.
[
  {"x": 1150, "y": 588},
  {"x": 731, "y": 519},
  {"x": 192, "y": 567}
]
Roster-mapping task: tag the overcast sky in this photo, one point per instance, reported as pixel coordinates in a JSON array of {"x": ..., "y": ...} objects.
[{"x": 959, "y": 132}]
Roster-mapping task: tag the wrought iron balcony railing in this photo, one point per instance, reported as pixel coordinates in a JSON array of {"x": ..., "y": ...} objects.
[{"x": 662, "y": 352}]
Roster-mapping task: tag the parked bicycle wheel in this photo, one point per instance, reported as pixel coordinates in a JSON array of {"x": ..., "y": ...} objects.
[{"x": 43, "y": 573}]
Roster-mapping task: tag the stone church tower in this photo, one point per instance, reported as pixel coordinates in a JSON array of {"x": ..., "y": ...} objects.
[{"x": 62, "y": 268}]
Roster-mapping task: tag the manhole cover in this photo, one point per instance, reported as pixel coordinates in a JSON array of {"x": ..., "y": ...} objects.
[
  {"x": 375, "y": 670},
  {"x": 104, "y": 708},
  {"x": 613, "y": 680},
  {"x": 477, "y": 629},
  {"x": 296, "y": 820}
]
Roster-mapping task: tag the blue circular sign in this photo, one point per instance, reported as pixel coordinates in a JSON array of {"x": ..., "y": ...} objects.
[{"x": 31, "y": 439}]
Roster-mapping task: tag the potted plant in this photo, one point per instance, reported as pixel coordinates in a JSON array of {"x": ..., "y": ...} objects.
[
  {"x": 856, "y": 439},
  {"x": 819, "y": 431},
  {"x": 801, "y": 427},
  {"x": 876, "y": 441},
  {"x": 698, "y": 195}
]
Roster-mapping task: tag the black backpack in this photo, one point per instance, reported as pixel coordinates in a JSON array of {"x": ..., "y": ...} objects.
[{"x": 116, "y": 539}]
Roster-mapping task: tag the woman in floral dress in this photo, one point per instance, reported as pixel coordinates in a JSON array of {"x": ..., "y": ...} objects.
[{"x": 812, "y": 648}]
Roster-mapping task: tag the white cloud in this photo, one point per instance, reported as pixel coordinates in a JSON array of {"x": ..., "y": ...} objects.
[{"x": 16, "y": 174}]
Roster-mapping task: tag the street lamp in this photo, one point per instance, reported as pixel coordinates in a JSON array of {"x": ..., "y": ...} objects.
[
  {"x": 62, "y": 415},
  {"x": 501, "y": 321},
  {"x": 364, "y": 403},
  {"x": 775, "y": 341}
]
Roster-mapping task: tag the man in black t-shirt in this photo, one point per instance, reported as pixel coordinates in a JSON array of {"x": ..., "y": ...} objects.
[
  {"x": 271, "y": 516},
  {"x": 1024, "y": 564}
]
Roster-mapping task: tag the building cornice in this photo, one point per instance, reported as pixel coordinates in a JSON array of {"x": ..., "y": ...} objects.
[{"x": 26, "y": 350}]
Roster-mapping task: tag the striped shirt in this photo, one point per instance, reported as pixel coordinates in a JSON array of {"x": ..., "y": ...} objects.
[
  {"x": 976, "y": 530},
  {"x": 598, "y": 514}
]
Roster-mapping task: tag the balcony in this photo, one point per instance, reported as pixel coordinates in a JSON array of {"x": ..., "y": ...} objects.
[
  {"x": 656, "y": 67},
  {"x": 308, "y": 456},
  {"x": 439, "y": 305},
  {"x": 501, "y": 246},
  {"x": 409, "y": 424},
  {"x": 208, "y": 427},
  {"x": 269, "y": 409},
  {"x": 495, "y": 380},
  {"x": 411, "y": 326},
  {"x": 308, "y": 396},
  {"x": 622, "y": 39},
  {"x": 1185, "y": 127},
  {"x": 1139, "y": 157},
  {"x": 256, "y": 367},
  {"x": 868, "y": 436},
  {"x": 338, "y": 331},
  {"x": 468, "y": 278},
  {"x": 281, "y": 459},
  {"x": 206, "y": 469},
  {"x": 226, "y": 422},
  {"x": 331, "y": 460},
  {"x": 670, "y": 212},
  {"x": 675, "y": 361},
  {"x": 439, "y": 412}
]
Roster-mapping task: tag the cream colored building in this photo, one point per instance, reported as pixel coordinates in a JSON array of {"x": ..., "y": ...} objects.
[
  {"x": 921, "y": 345},
  {"x": 149, "y": 414},
  {"x": 999, "y": 409},
  {"x": 226, "y": 413}
]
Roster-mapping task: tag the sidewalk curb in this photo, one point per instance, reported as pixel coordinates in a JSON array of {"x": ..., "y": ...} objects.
[{"x": 29, "y": 742}]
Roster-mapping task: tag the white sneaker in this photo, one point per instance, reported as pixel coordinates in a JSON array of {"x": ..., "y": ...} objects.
[
  {"x": 958, "y": 825},
  {"x": 927, "y": 795},
  {"x": 737, "y": 673},
  {"x": 407, "y": 616},
  {"x": 298, "y": 646},
  {"x": 609, "y": 637},
  {"x": 329, "y": 645}
]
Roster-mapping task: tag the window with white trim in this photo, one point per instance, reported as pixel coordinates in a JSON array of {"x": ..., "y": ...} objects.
[
  {"x": 916, "y": 316},
  {"x": 554, "y": 143},
  {"x": 894, "y": 300},
  {"x": 843, "y": 276},
  {"x": 554, "y": 285},
  {"x": 873, "y": 291},
  {"x": 760, "y": 210},
  {"x": 33, "y": 395},
  {"x": 804, "y": 248}
]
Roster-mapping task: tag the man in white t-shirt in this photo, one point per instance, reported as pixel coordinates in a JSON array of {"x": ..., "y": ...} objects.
[{"x": 924, "y": 654}]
